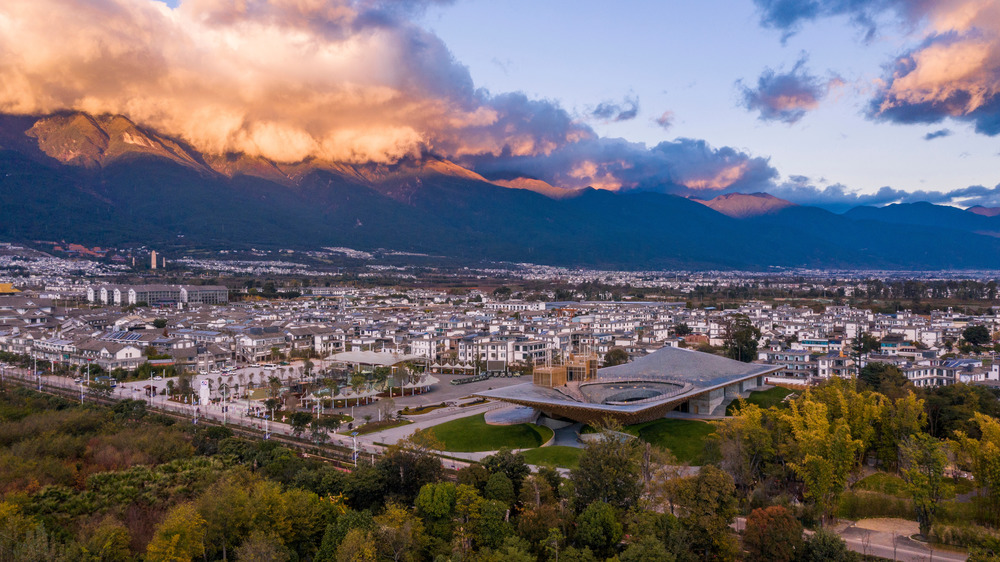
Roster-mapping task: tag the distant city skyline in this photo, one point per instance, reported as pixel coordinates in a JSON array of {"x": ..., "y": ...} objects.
[{"x": 828, "y": 103}]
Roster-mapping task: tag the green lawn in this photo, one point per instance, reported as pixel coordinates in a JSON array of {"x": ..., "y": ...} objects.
[
  {"x": 893, "y": 485},
  {"x": 372, "y": 427},
  {"x": 684, "y": 438},
  {"x": 882, "y": 482},
  {"x": 472, "y": 434},
  {"x": 556, "y": 455},
  {"x": 763, "y": 398}
]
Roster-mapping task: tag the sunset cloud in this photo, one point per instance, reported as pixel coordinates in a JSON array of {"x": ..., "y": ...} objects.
[
  {"x": 953, "y": 70},
  {"x": 340, "y": 80},
  {"x": 665, "y": 120},
  {"x": 681, "y": 167},
  {"x": 786, "y": 96}
]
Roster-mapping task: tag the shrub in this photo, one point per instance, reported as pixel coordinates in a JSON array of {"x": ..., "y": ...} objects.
[{"x": 967, "y": 536}]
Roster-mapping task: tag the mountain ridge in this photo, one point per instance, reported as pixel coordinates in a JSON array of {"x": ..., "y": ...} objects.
[
  {"x": 106, "y": 181},
  {"x": 744, "y": 205}
]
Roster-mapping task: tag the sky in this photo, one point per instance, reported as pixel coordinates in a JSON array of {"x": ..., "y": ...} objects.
[{"x": 832, "y": 103}]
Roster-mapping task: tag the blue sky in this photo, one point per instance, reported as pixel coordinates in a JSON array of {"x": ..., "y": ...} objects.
[{"x": 686, "y": 58}]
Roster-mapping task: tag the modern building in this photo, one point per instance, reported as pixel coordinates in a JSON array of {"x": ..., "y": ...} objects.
[{"x": 644, "y": 390}]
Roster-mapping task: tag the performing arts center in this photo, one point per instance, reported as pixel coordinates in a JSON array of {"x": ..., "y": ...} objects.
[{"x": 646, "y": 389}]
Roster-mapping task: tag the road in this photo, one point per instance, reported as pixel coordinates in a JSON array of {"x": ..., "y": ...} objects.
[
  {"x": 890, "y": 546},
  {"x": 894, "y": 547},
  {"x": 883, "y": 544},
  {"x": 238, "y": 410}
]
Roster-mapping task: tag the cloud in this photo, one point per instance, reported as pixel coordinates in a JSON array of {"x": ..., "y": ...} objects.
[
  {"x": 789, "y": 15},
  {"x": 665, "y": 120},
  {"x": 955, "y": 74},
  {"x": 609, "y": 111},
  {"x": 952, "y": 72},
  {"x": 682, "y": 167},
  {"x": 938, "y": 134},
  {"x": 839, "y": 198},
  {"x": 340, "y": 80},
  {"x": 787, "y": 96}
]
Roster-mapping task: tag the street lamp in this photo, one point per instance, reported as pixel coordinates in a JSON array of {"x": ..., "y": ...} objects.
[{"x": 354, "y": 437}]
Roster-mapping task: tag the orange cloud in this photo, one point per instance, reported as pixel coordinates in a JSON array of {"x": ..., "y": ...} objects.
[
  {"x": 284, "y": 79},
  {"x": 955, "y": 72},
  {"x": 721, "y": 179}
]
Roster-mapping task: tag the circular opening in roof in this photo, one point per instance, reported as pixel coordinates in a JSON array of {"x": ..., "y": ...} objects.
[{"x": 625, "y": 392}]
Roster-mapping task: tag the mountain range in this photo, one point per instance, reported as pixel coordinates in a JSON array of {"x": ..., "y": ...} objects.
[{"x": 105, "y": 180}]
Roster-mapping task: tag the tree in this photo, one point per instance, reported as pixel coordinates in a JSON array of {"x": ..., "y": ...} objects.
[
  {"x": 599, "y": 528},
  {"x": 227, "y": 511},
  {"x": 468, "y": 506},
  {"x": 299, "y": 421},
  {"x": 740, "y": 342},
  {"x": 357, "y": 383},
  {"x": 827, "y": 546},
  {"x": 262, "y": 546},
  {"x": 110, "y": 542},
  {"x": 500, "y": 488},
  {"x": 978, "y": 336},
  {"x": 100, "y": 389},
  {"x": 399, "y": 533},
  {"x": 608, "y": 471},
  {"x": 386, "y": 407},
  {"x": 358, "y": 546},
  {"x": 436, "y": 504},
  {"x": 318, "y": 430},
  {"x": 923, "y": 461},
  {"x": 826, "y": 450},
  {"x": 510, "y": 464},
  {"x": 707, "y": 505},
  {"x": 866, "y": 343},
  {"x": 884, "y": 378},
  {"x": 502, "y": 293},
  {"x": 615, "y": 356},
  {"x": 746, "y": 445},
  {"x": 181, "y": 536},
  {"x": 493, "y": 529},
  {"x": 773, "y": 533},
  {"x": 682, "y": 329},
  {"x": 983, "y": 455},
  {"x": 647, "y": 549},
  {"x": 407, "y": 466},
  {"x": 160, "y": 323}
]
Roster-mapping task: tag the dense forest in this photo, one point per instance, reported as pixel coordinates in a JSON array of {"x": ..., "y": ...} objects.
[{"x": 88, "y": 482}]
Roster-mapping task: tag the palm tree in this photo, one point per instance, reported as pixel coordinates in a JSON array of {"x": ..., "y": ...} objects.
[
  {"x": 274, "y": 387},
  {"x": 334, "y": 387}
]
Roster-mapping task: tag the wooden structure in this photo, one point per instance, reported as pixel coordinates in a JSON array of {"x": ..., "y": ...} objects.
[{"x": 576, "y": 368}]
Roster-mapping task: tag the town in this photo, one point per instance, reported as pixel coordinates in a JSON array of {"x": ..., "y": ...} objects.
[{"x": 355, "y": 364}]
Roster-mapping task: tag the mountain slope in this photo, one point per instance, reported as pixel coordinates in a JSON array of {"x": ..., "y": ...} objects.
[
  {"x": 928, "y": 214},
  {"x": 985, "y": 211},
  {"x": 743, "y": 205},
  {"x": 106, "y": 182}
]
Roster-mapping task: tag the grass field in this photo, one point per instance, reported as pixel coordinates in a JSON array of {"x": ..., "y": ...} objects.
[
  {"x": 893, "y": 485},
  {"x": 558, "y": 455},
  {"x": 372, "y": 427},
  {"x": 684, "y": 438},
  {"x": 884, "y": 483},
  {"x": 472, "y": 434},
  {"x": 763, "y": 398}
]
